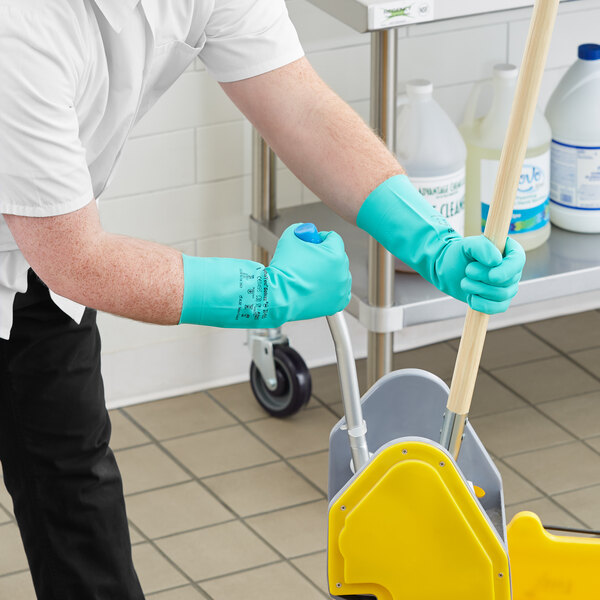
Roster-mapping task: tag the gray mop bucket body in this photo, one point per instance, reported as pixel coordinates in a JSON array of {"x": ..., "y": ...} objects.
[{"x": 405, "y": 405}]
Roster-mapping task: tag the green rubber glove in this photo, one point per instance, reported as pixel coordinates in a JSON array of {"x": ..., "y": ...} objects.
[
  {"x": 303, "y": 281},
  {"x": 470, "y": 269}
]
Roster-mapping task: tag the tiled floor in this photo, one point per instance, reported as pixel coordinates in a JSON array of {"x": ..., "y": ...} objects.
[{"x": 226, "y": 503}]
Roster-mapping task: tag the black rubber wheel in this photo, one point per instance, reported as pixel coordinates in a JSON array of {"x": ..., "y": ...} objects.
[{"x": 294, "y": 385}]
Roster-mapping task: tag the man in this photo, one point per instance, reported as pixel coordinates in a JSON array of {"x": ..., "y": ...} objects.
[{"x": 76, "y": 75}]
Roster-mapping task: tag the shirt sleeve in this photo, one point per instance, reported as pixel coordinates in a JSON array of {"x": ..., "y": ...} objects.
[
  {"x": 43, "y": 168},
  {"x": 245, "y": 38}
]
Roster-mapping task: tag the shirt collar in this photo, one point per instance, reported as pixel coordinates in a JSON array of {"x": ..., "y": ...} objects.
[{"x": 116, "y": 11}]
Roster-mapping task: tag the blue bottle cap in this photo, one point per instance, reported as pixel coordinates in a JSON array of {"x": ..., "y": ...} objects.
[{"x": 589, "y": 52}]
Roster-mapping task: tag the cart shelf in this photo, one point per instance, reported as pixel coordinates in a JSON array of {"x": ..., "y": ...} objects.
[{"x": 566, "y": 265}]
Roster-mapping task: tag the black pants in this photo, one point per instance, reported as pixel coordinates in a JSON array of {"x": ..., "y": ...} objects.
[{"x": 58, "y": 468}]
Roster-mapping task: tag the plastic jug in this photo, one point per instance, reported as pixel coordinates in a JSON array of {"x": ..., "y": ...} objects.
[
  {"x": 432, "y": 151},
  {"x": 530, "y": 224},
  {"x": 573, "y": 112}
]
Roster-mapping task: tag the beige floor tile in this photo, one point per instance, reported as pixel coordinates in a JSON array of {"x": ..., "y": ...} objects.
[
  {"x": 549, "y": 513},
  {"x": 590, "y": 359},
  {"x": 155, "y": 572},
  {"x": 511, "y": 346},
  {"x": 5, "y": 517},
  {"x": 17, "y": 587},
  {"x": 146, "y": 468},
  {"x": 580, "y": 415},
  {"x": 584, "y": 504},
  {"x": 175, "y": 509},
  {"x": 518, "y": 430},
  {"x": 314, "y": 567},
  {"x": 182, "y": 593},
  {"x": 136, "y": 537},
  {"x": 306, "y": 432},
  {"x": 262, "y": 489},
  {"x": 12, "y": 555},
  {"x": 491, "y": 397},
  {"x": 438, "y": 359},
  {"x": 548, "y": 379},
  {"x": 326, "y": 383},
  {"x": 216, "y": 452},
  {"x": 315, "y": 467},
  {"x": 125, "y": 434},
  {"x": 180, "y": 416},
  {"x": 573, "y": 332},
  {"x": 240, "y": 400},
  {"x": 337, "y": 409},
  {"x": 516, "y": 489},
  {"x": 5, "y": 499},
  {"x": 217, "y": 550},
  {"x": 560, "y": 469},
  {"x": 594, "y": 443},
  {"x": 275, "y": 582},
  {"x": 294, "y": 531}
]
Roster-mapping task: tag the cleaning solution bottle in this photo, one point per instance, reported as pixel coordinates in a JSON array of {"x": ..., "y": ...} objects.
[
  {"x": 530, "y": 224},
  {"x": 432, "y": 151},
  {"x": 573, "y": 112}
]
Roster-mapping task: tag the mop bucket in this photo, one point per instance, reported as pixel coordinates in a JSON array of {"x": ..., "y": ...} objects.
[
  {"x": 551, "y": 567},
  {"x": 413, "y": 523},
  {"x": 410, "y": 523}
]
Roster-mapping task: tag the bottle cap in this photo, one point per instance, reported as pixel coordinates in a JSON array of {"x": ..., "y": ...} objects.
[
  {"x": 506, "y": 71},
  {"x": 589, "y": 52},
  {"x": 419, "y": 87}
]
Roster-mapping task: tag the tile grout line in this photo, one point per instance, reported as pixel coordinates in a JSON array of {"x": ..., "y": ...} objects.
[
  {"x": 150, "y": 540},
  {"x": 286, "y": 462},
  {"x": 217, "y": 498},
  {"x": 544, "y": 495},
  {"x": 13, "y": 573},
  {"x": 540, "y": 412},
  {"x": 565, "y": 354},
  {"x": 584, "y": 369},
  {"x": 191, "y": 434},
  {"x": 280, "y": 456}
]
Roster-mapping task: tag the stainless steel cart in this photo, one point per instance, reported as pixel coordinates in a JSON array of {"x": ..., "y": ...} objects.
[{"x": 567, "y": 266}]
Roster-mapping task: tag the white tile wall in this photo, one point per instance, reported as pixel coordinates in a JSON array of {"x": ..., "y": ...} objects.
[{"x": 184, "y": 176}]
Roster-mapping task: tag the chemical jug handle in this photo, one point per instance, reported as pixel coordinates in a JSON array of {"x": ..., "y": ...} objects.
[
  {"x": 401, "y": 100},
  {"x": 473, "y": 101}
]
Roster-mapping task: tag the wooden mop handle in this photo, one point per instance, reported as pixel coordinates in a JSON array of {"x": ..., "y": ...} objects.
[{"x": 505, "y": 190}]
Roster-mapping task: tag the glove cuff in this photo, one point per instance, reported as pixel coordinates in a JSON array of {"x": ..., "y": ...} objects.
[
  {"x": 406, "y": 224},
  {"x": 223, "y": 292}
]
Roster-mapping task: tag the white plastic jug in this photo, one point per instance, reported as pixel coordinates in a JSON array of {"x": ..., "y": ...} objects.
[
  {"x": 432, "y": 151},
  {"x": 530, "y": 224},
  {"x": 573, "y": 112}
]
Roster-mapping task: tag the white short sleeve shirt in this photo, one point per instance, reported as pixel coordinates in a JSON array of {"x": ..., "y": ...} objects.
[{"x": 76, "y": 76}]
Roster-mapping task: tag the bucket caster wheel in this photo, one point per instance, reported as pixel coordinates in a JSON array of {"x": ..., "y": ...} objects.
[{"x": 293, "y": 388}]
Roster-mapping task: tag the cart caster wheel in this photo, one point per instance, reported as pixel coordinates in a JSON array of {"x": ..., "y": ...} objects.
[{"x": 294, "y": 385}]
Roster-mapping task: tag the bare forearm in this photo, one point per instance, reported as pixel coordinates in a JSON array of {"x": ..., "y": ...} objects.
[
  {"x": 131, "y": 278},
  {"x": 124, "y": 276},
  {"x": 318, "y": 136}
]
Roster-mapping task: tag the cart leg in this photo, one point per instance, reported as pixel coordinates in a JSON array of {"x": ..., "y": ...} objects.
[{"x": 381, "y": 266}]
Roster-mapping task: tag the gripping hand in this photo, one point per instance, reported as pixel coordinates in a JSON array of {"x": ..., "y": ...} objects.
[
  {"x": 470, "y": 269},
  {"x": 303, "y": 281}
]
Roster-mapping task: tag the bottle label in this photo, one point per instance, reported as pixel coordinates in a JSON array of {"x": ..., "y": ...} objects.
[
  {"x": 532, "y": 208},
  {"x": 446, "y": 194},
  {"x": 575, "y": 176}
]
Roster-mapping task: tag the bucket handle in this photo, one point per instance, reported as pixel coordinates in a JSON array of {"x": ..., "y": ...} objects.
[{"x": 355, "y": 424}]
